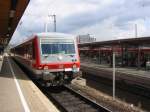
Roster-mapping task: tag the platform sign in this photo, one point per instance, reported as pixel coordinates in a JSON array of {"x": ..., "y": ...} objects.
[{"x": 4, "y": 41}]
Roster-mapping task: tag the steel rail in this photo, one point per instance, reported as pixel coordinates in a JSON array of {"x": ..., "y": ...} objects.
[{"x": 69, "y": 100}]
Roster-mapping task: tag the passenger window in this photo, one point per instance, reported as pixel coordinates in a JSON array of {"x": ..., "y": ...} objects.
[{"x": 33, "y": 50}]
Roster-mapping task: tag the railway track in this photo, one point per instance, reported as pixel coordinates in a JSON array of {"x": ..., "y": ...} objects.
[
  {"x": 68, "y": 100},
  {"x": 129, "y": 93},
  {"x": 124, "y": 81}
]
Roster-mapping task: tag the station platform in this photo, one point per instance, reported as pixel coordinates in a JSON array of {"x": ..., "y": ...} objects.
[
  {"x": 18, "y": 93},
  {"x": 133, "y": 76}
]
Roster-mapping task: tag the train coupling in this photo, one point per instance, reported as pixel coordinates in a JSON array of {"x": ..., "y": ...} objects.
[{"x": 48, "y": 76}]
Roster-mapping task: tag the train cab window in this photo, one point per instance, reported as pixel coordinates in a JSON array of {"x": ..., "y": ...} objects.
[
  {"x": 58, "y": 48},
  {"x": 67, "y": 48},
  {"x": 55, "y": 47},
  {"x": 33, "y": 51}
]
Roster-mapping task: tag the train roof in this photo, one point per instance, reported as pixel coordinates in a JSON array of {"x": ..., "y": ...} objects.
[
  {"x": 54, "y": 34},
  {"x": 47, "y": 34}
]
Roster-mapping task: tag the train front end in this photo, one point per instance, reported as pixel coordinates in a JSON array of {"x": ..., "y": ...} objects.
[{"x": 59, "y": 58}]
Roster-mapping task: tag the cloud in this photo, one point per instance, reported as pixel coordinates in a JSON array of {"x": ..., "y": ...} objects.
[
  {"x": 123, "y": 12},
  {"x": 102, "y": 31},
  {"x": 106, "y": 18},
  {"x": 19, "y": 37},
  {"x": 144, "y": 3}
]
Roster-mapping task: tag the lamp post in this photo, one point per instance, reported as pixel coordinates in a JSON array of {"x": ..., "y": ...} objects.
[
  {"x": 114, "y": 75},
  {"x": 136, "y": 35},
  {"x": 54, "y": 17},
  {"x": 46, "y": 29}
]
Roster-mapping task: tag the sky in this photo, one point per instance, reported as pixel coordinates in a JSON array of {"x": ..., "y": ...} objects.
[{"x": 102, "y": 19}]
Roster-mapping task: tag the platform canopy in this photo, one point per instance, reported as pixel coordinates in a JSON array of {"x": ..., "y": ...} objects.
[
  {"x": 11, "y": 12},
  {"x": 130, "y": 41}
]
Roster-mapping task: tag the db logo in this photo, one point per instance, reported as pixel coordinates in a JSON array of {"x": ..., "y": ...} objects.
[{"x": 61, "y": 66}]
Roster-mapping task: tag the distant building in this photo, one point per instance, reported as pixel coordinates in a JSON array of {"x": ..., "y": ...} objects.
[{"x": 85, "y": 38}]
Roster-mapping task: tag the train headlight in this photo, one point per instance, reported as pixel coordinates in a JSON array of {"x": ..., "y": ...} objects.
[
  {"x": 45, "y": 67},
  {"x": 39, "y": 67}
]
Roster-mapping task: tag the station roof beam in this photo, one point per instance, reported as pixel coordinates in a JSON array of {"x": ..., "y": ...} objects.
[{"x": 11, "y": 12}]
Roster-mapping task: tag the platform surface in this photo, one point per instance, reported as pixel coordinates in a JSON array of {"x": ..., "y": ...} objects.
[
  {"x": 130, "y": 76},
  {"x": 26, "y": 99},
  {"x": 140, "y": 73}
]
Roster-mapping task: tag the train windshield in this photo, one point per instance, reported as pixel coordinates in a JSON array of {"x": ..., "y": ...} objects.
[{"x": 57, "y": 47}]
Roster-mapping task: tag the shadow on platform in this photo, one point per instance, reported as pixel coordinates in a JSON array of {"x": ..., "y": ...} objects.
[{"x": 6, "y": 70}]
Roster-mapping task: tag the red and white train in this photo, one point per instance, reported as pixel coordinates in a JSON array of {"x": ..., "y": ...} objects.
[{"x": 52, "y": 58}]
